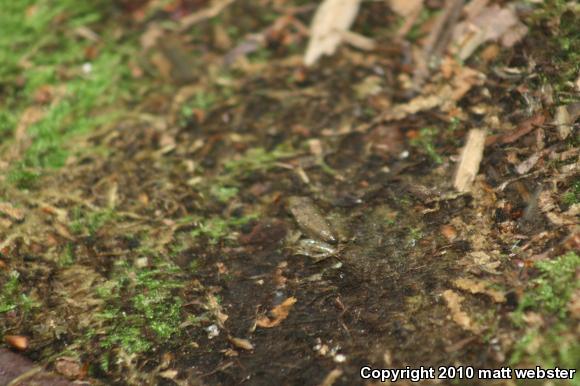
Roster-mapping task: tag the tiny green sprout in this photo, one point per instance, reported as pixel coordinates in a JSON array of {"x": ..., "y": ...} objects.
[
  {"x": 11, "y": 296},
  {"x": 426, "y": 142}
]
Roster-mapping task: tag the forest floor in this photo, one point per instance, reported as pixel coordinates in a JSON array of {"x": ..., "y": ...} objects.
[{"x": 183, "y": 202}]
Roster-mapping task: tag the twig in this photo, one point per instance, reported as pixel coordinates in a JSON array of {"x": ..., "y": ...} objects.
[
  {"x": 215, "y": 9},
  {"x": 437, "y": 41}
]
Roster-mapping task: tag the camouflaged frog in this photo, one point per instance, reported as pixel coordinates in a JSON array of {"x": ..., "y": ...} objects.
[{"x": 320, "y": 240}]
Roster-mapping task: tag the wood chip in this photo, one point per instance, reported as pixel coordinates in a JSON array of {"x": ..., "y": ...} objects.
[
  {"x": 470, "y": 159},
  {"x": 244, "y": 344},
  {"x": 331, "y": 20}
]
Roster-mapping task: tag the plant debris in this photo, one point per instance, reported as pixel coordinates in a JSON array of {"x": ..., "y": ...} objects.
[{"x": 211, "y": 192}]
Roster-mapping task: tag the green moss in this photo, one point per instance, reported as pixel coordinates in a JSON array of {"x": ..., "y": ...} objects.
[
  {"x": 31, "y": 58},
  {"x": 68, "y": 257},
  {"x": 217, "y": 228},
  {"x": 551, "y": 291},
  {"x": 254, "y": 160},
  {"x": 86, "y": 222},
  {"x": 143, "y": 308},
  {"x": 22, "y": 177},
  {"x": 11, "y": 296},
  {"x": 572, "y": 196},
  {"x": 223, "y": 193},
  {"x": 549, "y": 295}
]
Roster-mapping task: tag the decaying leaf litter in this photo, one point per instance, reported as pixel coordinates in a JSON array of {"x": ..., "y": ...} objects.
[{"x": 292, "y": 190}]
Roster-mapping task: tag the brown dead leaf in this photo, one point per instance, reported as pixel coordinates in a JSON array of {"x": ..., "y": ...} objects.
[
  {"x": 570, "y": 217},
  {"x": 460, "y": 317},
  {"x": 479, "y": 287},
  {"x": 444, "y": 95},
  {"x": 489, "y": 24},
  {"x": 332, "y": 18},
  {"x": 524, "y": 128},
  {"x": 449, "y": 232},
  {"x": 279, "y": 313},
  {"x": 216, "y": 310}
]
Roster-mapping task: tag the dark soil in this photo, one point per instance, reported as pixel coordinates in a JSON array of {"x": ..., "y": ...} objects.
[{"x": 206, "y": 193}]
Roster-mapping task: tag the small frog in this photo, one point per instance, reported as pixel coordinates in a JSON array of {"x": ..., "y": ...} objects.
[{"x": 321, "y": 240}]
